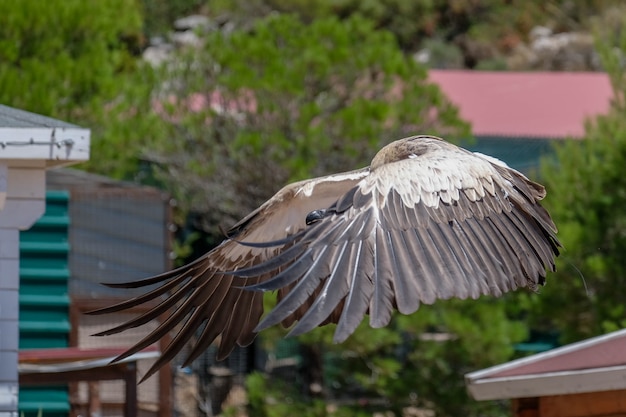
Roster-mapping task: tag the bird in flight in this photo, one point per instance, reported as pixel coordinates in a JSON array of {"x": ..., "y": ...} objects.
[{"x": 426, "y": 220}]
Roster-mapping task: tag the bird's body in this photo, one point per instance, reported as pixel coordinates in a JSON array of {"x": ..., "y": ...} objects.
[{"x": 426, "y": 221}]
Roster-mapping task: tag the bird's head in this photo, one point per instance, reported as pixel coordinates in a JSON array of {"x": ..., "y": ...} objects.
[{"x": 410, "y": 147}]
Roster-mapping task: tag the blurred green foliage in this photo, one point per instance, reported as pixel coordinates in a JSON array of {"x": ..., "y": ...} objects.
[
  {"x": 159, "y": 14},
  {"x": 587, "y": 196},
  {"x": 278, "y": 398},
  {"x": 416, "y": 361},
  {"x": 255, "y": 109},
  {"x": 58, "y": 57},
  {"x": 78, "y": 61},
  {"x": 484, "y": 30}
]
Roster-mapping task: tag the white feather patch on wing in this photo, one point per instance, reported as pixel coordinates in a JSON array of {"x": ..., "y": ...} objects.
[
  {"x": 492, "y": 159},
  {"x": 308, "y": 187},
  {"x": 434, "y": 177}
]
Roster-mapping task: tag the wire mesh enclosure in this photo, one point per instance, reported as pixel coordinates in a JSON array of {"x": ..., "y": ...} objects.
[{"x": 118, "y": 232}]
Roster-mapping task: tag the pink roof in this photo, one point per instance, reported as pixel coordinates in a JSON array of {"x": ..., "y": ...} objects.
[
  {"x": 594, "y": 364},
  {"x": 526, "y": 104},
  {"x": 598, "y": 352}
]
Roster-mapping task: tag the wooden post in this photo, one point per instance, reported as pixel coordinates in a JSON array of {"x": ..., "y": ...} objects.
[
  {"x": 94, "y": 404},
  {"x": 130, "y": 407}
]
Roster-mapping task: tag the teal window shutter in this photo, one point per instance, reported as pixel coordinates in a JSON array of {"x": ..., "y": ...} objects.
[{"x": 44, "y": 299}]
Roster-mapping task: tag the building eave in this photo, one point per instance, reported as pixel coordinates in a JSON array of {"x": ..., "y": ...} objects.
[
  {"x": 551, "y": 383},
  {"x": 563, "y": 375},
  {"x": 26, "y": 138},
  {"x": 55, "y": 145}
]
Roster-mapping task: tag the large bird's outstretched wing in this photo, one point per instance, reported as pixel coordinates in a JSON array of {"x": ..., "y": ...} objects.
[
  {"x": 429, "y": 222},
  {"x": 200, "y": 297},
  {"x": 426, "y": 221}
]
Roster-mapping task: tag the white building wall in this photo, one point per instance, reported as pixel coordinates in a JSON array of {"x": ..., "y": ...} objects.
[{"x": 25, "y": 203}]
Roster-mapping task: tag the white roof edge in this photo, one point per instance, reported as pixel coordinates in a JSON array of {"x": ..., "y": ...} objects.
[
  {"x": 60, "y": 144},
  {"x": 40, "y": 128},
  {"x": 484, "y": 373},
  {"x": 550, "y": 383}
]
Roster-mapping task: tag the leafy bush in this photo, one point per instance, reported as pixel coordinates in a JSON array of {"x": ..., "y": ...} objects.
[{"x": 58, "y": 56}]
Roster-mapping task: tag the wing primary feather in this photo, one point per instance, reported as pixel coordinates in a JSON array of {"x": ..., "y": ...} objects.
[
  {"x": 533, "y": 234},
  {"x": 381, "y": 305},
  {"x": 135, "y": 301},
  {"x": 489, "y": 268},
  {"x": 216, "y": 323},
  {"x": 297, "y": 295},
  {"x": 516, "y": 254},
  {"x": 236, "y": 324},
  {"x": 451, "y": 273},
  {"x": 210, "y": 332},
  {"x": 271, "y": 264},
  {"x": 335, "y": 288},
  {"x": 500, "y": 250},
  {"x": 254, "y": 311},
  {"x": 186, "y": 270},
  {"x": 407, "y": 299},
  {"x": 541, "y": 238},
  {"x": 181, "y": 314},
  {"x": 526, "y": 259},
  {"x": 144, "y": 317},
  {"x": 153, "y": 336},
  {"x": 360, "y": 293},
  {"x": 429, "y": 262},
  {"x": 466, "y": 255},
  {"x": 289, "y": 254},
  {"x": 304, "y": 255},
  {"x": 151, "y": 313},
  {"x": 496, "y": 281},
  {"x": 191, "y": 325},
  {"x": 221, "y": 322},
  {"x": 290, "y": 274},
  {"x": 247, "y": 335}
]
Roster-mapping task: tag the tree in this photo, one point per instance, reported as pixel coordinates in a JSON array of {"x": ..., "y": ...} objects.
[
  {"x": 586, "y": 195},
  {"x": 483, "y": 32},
  {"x": 253, "y": 110},
  {"x": 77, "y": 61},
  {"x": 58, "y": 57},
  {"x": 159, "y": 14},
  {"x": 417, "y": 361}
]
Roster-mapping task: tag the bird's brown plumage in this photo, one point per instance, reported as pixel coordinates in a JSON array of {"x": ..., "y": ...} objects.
[{"x": 426, "y": 221}]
